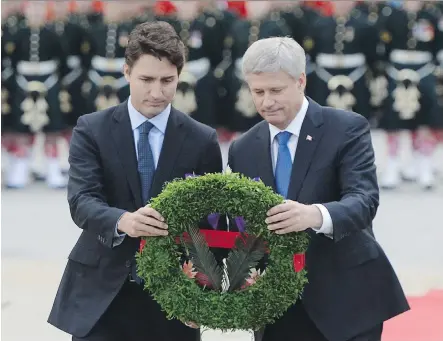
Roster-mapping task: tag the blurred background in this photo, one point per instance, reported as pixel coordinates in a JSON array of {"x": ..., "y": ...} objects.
[{"x": 62, "y": 59}]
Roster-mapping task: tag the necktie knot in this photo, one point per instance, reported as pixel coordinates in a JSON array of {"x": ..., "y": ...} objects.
[
  {"x": 145, "y": 127},
  {"x": 283, "y": 138}
]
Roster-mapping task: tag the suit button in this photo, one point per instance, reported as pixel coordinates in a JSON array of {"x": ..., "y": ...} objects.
[{"x": 128, "y": 263}]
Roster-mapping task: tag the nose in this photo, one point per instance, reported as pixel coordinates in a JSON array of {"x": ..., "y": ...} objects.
[
  {"x": 268, "y": 101},
  {"x": 156, "y": 91}
]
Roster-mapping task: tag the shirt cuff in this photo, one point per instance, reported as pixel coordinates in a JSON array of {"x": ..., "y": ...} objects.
[
  {"x": 326, "y": 228},
  {"x": 118, "y": 237}
]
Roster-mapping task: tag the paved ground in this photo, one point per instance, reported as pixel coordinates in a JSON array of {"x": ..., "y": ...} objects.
[{"x": 37, "y": 235}]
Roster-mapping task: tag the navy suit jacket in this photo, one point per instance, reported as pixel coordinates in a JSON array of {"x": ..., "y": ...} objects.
[
  {"x": 103, "y": 184},
  {"x": 352, "y": 286}
]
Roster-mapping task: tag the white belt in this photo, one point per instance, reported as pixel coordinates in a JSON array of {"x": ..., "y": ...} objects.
[
  {"x": 73, "y": 62},
  {"x": 337, "y": 61},
  {"x": 424, "y": 71},
  {"x": 6, "y": 73},
  {"x": 410, "y": 57},
  {"x": 198, "y": 68},
  {"x": 25, "y": 84},
  {"x": 107, "y": 64},
  {"x": 355, "y": 75},
  {"x": 98, "y": 80},
  {"x": 71, "y": 76},
  {"x": 37, "y": 68}
]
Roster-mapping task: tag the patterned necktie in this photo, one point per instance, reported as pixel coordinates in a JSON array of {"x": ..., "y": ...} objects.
[
  {"x": 146, "y": 165},
  {"x": 284, "y": 164}
]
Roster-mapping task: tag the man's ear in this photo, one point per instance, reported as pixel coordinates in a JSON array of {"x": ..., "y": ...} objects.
[{"x": 126, "y": 71}]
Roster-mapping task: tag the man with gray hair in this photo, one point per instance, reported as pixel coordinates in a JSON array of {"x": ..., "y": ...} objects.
[{"x": 322, "y": 161}]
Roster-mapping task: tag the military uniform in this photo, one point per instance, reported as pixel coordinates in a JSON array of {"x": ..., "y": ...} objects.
[
  {"x": 78, "y": 46},
  {"x": 377, "y": 14},
  {"x": 228, "y": 19},
  {"x": 344, "y": 49},
  {"x": 106, "y": 85},
  {"x": 239, "y": 104},
  {"x": 411, "y": 41},
  {"x": 39, "y": 63},
  {"x": 197, "y": 89},
  {"x": 9, "y": 30},
  {"x": 301, "y": 20},
  {"x": 436, "y": 8}
]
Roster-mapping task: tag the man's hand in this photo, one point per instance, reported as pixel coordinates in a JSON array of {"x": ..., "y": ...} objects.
[
  {"x": 145, "y": 222},
  {"x": 292, "y": 216}
]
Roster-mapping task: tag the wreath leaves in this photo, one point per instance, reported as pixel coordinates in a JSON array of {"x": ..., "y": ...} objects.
[{"x": 183, "y": 202}]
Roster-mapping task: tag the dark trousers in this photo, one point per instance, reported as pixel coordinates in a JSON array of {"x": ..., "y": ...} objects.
[
  {"x": 135, "y": 316},
  {"x": 296, "y": 325}
]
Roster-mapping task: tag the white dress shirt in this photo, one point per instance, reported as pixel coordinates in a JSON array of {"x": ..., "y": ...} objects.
[
  {"x": 294, "y": 128},
  {"x": 156, "y": 137}
]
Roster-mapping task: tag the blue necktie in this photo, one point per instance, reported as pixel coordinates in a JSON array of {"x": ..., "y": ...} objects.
[
  {"x": 146, "y": 165},
  {"x": 284, "y": 164}
]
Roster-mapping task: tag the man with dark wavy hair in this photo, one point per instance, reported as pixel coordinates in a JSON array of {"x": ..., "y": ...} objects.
[{"x": 120, "y": 158}]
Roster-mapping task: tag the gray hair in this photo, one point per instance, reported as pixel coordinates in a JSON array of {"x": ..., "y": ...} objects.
[{"x": 274, "y": 55}]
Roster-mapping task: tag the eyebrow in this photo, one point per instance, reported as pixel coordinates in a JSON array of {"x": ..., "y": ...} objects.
[{"x": 152, "y": 77}]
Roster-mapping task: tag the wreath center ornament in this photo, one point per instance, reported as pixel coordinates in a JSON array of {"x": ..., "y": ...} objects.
[{"x": 236, "y": 293}]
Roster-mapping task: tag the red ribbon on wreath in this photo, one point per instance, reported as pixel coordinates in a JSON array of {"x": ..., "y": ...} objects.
[{"x": 226, "y": 240}]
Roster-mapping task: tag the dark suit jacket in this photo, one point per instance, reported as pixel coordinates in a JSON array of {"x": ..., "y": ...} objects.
[
  {"x": 103, "y": 184},
  {"x": 352, "y": 286}
]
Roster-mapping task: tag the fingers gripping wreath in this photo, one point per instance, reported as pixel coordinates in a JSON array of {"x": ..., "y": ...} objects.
[{"x": 183, "y": 274}]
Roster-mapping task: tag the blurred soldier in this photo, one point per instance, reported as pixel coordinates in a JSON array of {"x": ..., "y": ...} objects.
[
  {"x": 262, "y": 22},
  {"x": 301, "y": 19},
  {"x": 201, "y": 30},
  {"x": 141, "y": 11},
  {"x": 226, "y": 18},
  {"x": 39, "y": 63},
  {"x": 106, "y": 85},
  {"x": 344, "y": 47},
  {"x": 377, "y": 13},
  {"x": 84, "y": 14},
  {"x": 411, "y": 38},
  {"x": 77, "y": 44},
  {"x": 12, "y": 20},
  {"x": 436, "y": 7}
]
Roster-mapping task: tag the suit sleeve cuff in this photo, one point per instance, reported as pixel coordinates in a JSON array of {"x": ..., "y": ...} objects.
[
  {"x": 327, "y": 227},
  {"x": 118, "y": 237}
]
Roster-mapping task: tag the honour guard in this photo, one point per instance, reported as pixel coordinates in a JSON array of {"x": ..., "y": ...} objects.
[
  {"x": 200, "y": 28},
  {"x": 106, "y": 85},
  {"x": 78, "y": 46},
  {"x": 83, "y": 14},
  {"x": 142, "y": 11},
  {"x": 437, "y": 9},
  {"x": 377, "y": 13},
  {"x": 12, "y": 20},
  {"x": 39, "y": 62},
  {"x": 344, "y": 50},
  {"x": 262, "y": 22},
  {"x": 411, "y": 37},
  {"x": 301, "y": 20}
]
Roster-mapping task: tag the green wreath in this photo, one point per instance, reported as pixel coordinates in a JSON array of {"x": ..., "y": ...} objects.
[{"x": 247, "y": 302}]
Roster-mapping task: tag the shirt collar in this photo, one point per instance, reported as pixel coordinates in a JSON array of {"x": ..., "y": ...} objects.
[
  {"x": 160, "y": 121},
  {"x": 295, "y": 126}
]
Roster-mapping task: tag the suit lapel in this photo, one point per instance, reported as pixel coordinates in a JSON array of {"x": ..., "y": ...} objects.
[
  {"x": 172, "y": 144},
  {"x": 264, "y": 160},
  {"x": 124, "y": 145},
  {"x": 310, "y": 135}
]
